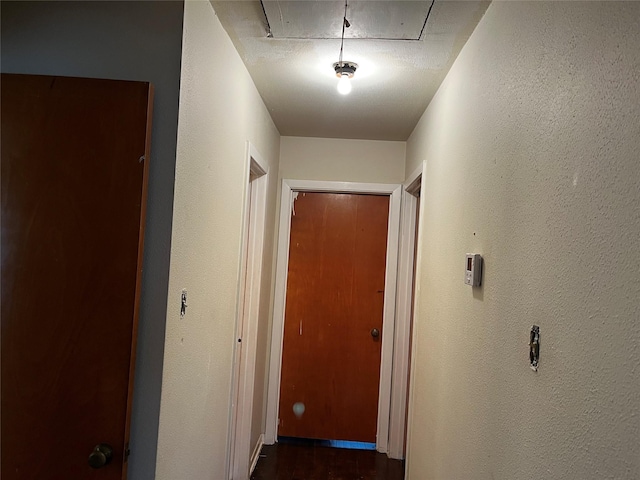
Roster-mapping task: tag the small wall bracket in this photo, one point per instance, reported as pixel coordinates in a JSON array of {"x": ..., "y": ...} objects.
[
  {"x": 534, "y": 347},
  {"x": 183, "y": 303}
]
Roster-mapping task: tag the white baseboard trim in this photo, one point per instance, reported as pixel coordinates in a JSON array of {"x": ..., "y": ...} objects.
[{"x": 256, "y": 453}]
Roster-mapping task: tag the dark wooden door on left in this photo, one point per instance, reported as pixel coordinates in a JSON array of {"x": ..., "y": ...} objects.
[{"x": 74, "y": 167}]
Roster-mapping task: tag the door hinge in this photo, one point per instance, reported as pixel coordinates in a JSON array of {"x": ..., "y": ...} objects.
[{"x": 127, "y": 452}]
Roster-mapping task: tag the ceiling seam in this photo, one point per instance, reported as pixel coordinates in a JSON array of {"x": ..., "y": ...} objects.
[{"x": 349, "y": 38}]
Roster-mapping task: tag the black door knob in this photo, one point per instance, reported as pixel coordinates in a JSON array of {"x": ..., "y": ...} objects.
[
  {"x": 100, "y": 456},
  {"x": 375, "y": 333}
]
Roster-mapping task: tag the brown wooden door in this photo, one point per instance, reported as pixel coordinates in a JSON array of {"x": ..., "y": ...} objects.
[
  {"x": 335, "y": 297},
  {"x": 74, "y": 169}
]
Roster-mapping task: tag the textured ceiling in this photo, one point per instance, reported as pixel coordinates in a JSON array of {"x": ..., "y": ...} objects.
[
  {"x": 289, "y": 48},
  {"x": 399, "y": 20}
]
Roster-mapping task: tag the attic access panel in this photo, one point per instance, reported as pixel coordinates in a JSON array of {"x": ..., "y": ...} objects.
[{"x": 370, "y": 19}]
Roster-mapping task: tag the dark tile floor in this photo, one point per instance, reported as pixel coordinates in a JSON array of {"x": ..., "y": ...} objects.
[{"x": 310, "y": 462}]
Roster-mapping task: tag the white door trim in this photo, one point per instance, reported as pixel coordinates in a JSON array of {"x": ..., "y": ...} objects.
[
  {"x": 256, "y": 181},
  {"x": 406, "y": 261},
  {"x": 289, "y": 188}
]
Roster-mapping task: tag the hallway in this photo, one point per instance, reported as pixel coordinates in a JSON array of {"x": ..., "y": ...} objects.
[
  {"x": 528, "y": 153},
  {"x": 309, "y": 462}
]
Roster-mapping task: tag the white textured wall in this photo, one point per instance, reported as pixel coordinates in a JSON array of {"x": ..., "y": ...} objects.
[
  {"x": 533, "y": 160},
  {"x": 220, "y": 110},
  {"x": 368, "y": 161}
]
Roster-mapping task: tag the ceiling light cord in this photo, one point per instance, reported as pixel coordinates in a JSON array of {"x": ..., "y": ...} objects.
[
  {"x": 345, "y": 22},
  {"x": 424, "y": 25},
  {"x": 266, "y": 19},
  {"x": 344, "y": 70}
]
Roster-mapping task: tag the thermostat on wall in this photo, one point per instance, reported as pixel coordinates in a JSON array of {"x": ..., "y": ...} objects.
[{"x": 473, "y": 269}]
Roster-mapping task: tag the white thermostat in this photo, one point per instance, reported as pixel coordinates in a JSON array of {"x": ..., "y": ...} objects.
[{"x": 473, "y": 269}]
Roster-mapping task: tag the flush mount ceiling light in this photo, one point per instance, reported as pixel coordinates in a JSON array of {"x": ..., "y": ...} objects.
[{"x": 344, "y": 70}]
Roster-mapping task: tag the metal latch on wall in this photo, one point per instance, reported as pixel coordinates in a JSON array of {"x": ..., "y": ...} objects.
[
  {"x": 534, "y": 347},
  {"x": 183, "y": 303}
]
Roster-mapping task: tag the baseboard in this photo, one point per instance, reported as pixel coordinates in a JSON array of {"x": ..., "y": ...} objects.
[{"x": 256, "y": 453}]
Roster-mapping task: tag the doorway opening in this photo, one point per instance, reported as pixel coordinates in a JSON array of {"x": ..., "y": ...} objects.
[
  {"x": 243, "y": 456},
  {"x": 290, "y": 190},
  {"x": 407, "y": 274}
]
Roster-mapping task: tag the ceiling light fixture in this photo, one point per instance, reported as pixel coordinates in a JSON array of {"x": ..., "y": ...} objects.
[{"x": 344, "y": 70}]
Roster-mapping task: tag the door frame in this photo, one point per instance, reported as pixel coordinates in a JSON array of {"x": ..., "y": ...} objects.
[
  {"x": 241, "y": 459},
  {"x": 405, "y": 303},
  {"x": 290, "y": 189}
]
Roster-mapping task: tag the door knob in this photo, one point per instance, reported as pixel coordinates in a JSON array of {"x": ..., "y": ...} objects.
[
  {"x": 375, "y": 333},
  {"x": 100, "y": 456}
]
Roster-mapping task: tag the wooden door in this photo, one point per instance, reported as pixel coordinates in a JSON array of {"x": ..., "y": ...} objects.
[
  {"x": 74, "y": 172},
  {"x": 335, "y": 298}
]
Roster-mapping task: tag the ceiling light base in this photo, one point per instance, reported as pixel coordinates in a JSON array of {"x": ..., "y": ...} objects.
[{"x": 345, "y": 68}]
